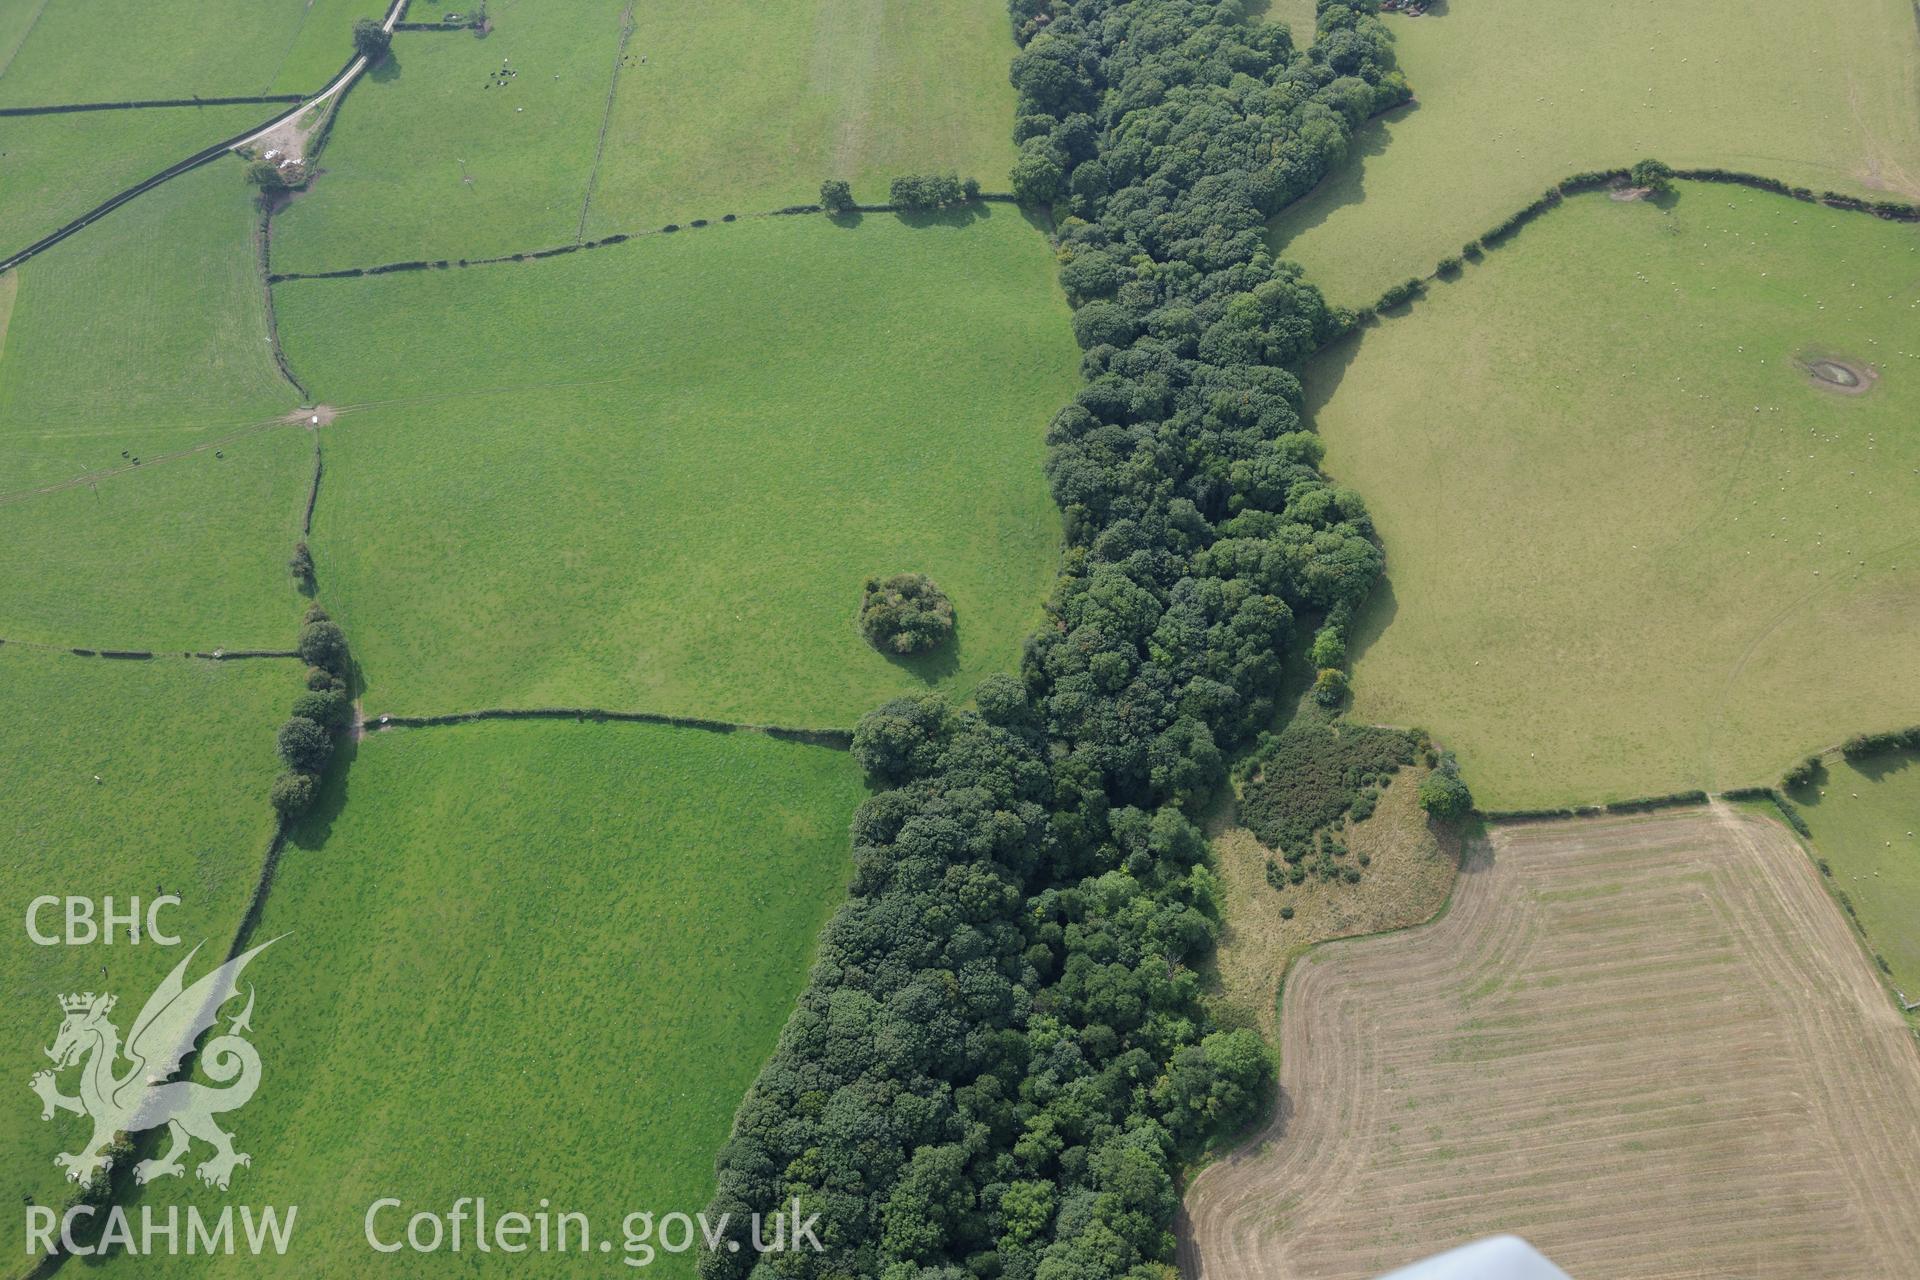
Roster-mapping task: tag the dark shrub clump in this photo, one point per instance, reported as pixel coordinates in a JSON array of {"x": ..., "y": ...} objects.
[{"x": 905, "y": 614}]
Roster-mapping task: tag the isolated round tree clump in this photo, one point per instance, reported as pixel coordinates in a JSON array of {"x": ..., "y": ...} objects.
[{"x": 905, "y": 614}]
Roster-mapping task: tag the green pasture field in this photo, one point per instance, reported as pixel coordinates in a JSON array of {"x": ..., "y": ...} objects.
[
  {"x": 185, "y": 554},
  {"x": 55, "y": 168},
  {"x": 431, "y": 157},
  {"x": 116, "y": 50},
  {"x": 184, "y": 753},
  {"x": 654, "y": 476},
  {"x": 1514, "y": 95},
  {"x": 149, "y": 499},
  {"x": 146, "y": 332},
  {"x": 1631, "y": 546},
  {"x": 740, "y": 109},
  {"x": 718, "y": 110},
  {"x": 1864, "y": 815},
  {"x": 526, "y": 961}
]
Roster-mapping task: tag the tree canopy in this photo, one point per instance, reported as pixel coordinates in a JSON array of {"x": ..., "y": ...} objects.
[{"x": 1002, "y": 1057}]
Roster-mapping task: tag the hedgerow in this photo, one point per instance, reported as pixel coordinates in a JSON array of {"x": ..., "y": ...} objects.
[
  {"x": 305, "y": 739},
  {"x": 1001, "y": 1059}
]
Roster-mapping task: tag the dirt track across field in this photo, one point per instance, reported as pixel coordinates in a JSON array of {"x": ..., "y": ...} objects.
[{"x": 1648, "y": 1044}]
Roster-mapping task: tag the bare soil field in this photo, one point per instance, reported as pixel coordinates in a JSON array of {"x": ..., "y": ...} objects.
[{"x": 1648, "y": 1044}]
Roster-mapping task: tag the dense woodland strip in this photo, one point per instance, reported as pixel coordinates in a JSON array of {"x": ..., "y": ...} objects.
[{"x": 1002, "y": 1059}]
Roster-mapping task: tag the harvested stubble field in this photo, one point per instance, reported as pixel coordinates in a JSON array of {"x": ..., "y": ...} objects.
[{"x": 1649, "y": 1044}]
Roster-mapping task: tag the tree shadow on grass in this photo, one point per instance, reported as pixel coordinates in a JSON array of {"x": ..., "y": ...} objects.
[
  {"x": 932, "y": 667},
  {"x": 961, "y": 215},
  {"x": 311, "y": 832},
  {"x": 387, "y": 69},
  {"x": 1375, "y": 615},
  {"x": 1880, "y": 767},
  {"x": 1345, "y": 185}
]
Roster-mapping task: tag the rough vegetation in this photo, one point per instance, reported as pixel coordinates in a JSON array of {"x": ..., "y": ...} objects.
[{"x": 1311, "y": 774}]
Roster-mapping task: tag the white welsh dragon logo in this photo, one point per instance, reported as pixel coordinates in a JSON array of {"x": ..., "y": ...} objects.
[{"x": 144, "y": 1096}]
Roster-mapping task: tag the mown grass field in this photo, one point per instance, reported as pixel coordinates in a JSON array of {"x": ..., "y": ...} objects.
[
  {"x": 1864, "y": 815},
  {"x": 717, "y": 111},
  {"x": 63, "y": 51},
  {"x": 1516, "y": 94},
  {"x": 1631, "y": 547},
  {"x": 744, "y": 109},
  {"x": 184, "y": 753},
  {"x": 1648, "y": 1045},
  {"x": 148, "y": 501},
  {"x": 55, "y": 168},
  {"x": 653, "y": 476},
  {"x": 526, "y": 961}
]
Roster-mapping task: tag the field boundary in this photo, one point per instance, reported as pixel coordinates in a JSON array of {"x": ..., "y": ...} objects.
[
  {"x": 218, "y": 654},
  {"x": 263, "y": 237},
  {"x": 627, "y": 28},
  {"x": 313, "y": 489},
  {"x": 347, "y": 74},
  {"x": 145, "y": 104},
  {"x": 838, "y": 739},
  {"x": 618, "y": 237},
  {"x": 1399, "y": 298}
]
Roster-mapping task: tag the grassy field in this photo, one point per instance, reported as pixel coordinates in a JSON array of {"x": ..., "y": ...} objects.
[
  {"x": 145, "y": 333},
  {"x": 1864, "y": 816},
  {"x": 654, "y": 476},
  {"x": 717, "y": 111},
  {"x": 55, "y": 168},
  {"x": 1651, "y": 1046},
  {"x": 743, "y": 109},
  {"x": 1631, "y": 546},
  {"x": 526, "y": 961},
  {"x": 188, "y": 553},
  {"x": 184, "y": 754},
  {"x": 146, "y": 503},
  {"x": 63, "y": 51},
  {"x": 1511, "y": 101},
  {"x": 432, "y": 158}
]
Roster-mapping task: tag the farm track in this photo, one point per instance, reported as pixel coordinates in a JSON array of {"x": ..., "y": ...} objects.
[
  {"x": 348, "y": 74},
  {"x": 1649, "y": 1044}
]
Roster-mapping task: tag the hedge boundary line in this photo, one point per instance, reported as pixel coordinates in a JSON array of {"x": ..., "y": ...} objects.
[
  {"x": 143, "y": 655},
  {"x": 619, "y": 237},
  {"x": 1639, "y": 804},
  {"x": 313, "y": 490},
  {"x": 147, "y": 103},
  {"x": 1414, "y": 288},
  {"x": 179, "y": 167},
  {"x": 838, "y": 739},
  {"x": 264, "y": 239}
]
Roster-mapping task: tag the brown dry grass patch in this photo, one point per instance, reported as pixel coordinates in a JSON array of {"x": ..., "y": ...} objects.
[
  {"x": 1411, "y": 870},
  {"x": 1649, "y": 1044}
]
